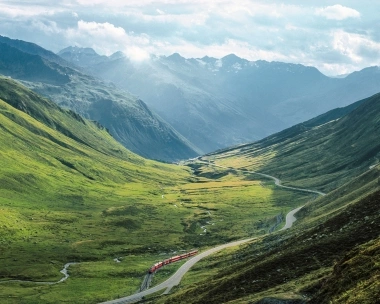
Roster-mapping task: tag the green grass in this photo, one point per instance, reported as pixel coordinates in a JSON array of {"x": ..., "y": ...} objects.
[
  {"x": 301, "y": 262},
  {"x": 70, "y": 193},
  {"x": 331, "y": 254},
  {"x": 322, "y": 157},
  {"x": 354, "y": 279}
]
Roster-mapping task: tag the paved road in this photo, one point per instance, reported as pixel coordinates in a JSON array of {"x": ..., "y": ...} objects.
[
  {"x": 276, "y": 180},
  {"x": 176, "y": 278},
  {"x": 290, "y": 218}
]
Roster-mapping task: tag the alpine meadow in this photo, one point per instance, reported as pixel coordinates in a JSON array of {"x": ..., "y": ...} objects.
[{"x": 189, "y": 152}]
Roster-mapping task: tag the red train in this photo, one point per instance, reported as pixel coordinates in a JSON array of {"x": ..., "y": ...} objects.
[{"x": 172, "y": 260}]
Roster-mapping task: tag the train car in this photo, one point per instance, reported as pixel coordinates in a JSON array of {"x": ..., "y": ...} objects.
[
  {"x": 171, "y": 260},
  {"x": 155, "y": 267}
]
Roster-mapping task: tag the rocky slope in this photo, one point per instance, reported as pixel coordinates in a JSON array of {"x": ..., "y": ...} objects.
[
  {"x": 128, "y": 118},
  {"x": 217, "y": 103}
]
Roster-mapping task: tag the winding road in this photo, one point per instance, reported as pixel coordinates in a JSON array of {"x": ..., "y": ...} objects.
[
  {"x": 176, "y": 278},
  {"x": 276, "y": 180}
]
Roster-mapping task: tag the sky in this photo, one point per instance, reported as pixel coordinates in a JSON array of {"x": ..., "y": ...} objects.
[{"x": 337, "y": 37}]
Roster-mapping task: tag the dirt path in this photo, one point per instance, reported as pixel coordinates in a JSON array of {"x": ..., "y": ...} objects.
[{"x": 64, "y": 271}]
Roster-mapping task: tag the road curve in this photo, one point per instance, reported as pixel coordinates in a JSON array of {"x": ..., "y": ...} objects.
[
  {"x": 290, "y": 218},
  {"x": 276, "y": 180},
  {"x": 176, "y": 278}
]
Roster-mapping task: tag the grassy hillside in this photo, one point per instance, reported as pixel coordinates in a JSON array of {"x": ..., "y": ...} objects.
[
  {"x": 330, "y": 256},
  {"x": 70, "y": 193},
  {"x": 77, "y": 198},
  {"x": 321, "y": 157}
]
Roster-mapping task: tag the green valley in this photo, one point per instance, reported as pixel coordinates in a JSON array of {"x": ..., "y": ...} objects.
[
  {"x": 189, "y": 152},
  {"x": 70, "y": 193},
  {"x": 331, "y": 255}
]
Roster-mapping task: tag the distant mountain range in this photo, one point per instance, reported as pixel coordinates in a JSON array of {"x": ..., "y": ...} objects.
[
  {"x": 127, "y": 118},
  {"x": 216, "y": 103}
]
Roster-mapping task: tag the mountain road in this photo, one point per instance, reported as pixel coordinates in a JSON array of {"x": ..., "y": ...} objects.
[{"x": 176, "y": 278}]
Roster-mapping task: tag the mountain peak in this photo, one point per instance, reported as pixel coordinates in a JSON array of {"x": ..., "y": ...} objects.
[
  {"x": 78, "y": 50},
  {"x": 231, "y": 57},
  {"x": 117, "y": 55},
  {"x": 176, "y": 57}
]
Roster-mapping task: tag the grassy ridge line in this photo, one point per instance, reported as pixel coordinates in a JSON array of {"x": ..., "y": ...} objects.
[
  {"x": 64, "y": 121},
  {"x": 323, "y": 157},
  {"x": 49, "y": 180}
]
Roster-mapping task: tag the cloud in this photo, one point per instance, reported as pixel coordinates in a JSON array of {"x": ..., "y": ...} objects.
[
  {"x": 100, "y": 30},
  {"x": 48, "y": 27},
  {"x": 295, "y": 31},
  {"x": 337, "y": 12},
  {"x": 15, "y": 12},
  {"x": 355, "y": 47},
  {"x": 107, "y": 38}
]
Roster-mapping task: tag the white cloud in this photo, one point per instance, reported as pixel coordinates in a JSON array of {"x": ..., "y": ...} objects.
[
  {"x": 14, "y": 11},
  {"x": 186, "y": 20},
  {"x": 354, "y": 46},
  {"x": 101, "y": 30},
  {"x": 48, "y": 27},
  {"x": 291, "y": 31},
  {"x": 106, "y": 38},
  {"x": 337, "y": 12}
]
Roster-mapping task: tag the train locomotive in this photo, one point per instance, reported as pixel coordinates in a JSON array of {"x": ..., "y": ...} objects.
[{"x": 171, "y": 260}]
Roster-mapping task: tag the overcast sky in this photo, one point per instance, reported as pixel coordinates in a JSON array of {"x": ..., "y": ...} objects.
[{"x": 337, "y": 37}]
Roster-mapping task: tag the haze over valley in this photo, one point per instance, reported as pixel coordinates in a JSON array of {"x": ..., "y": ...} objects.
[{"x": 189, "y": 152}]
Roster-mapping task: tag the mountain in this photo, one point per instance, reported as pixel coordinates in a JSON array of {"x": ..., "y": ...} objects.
[
  {"x": 253, "y": 99},
  {"x": 70, "y": 192},
  {"x": 85, "y": 57},
  {"x": 331, "y": 254},
  {"x": 328, "y": 150},
  {"x": 128, "y": 119},
  {"x": 21, "y": 65},
  {"x": 34, "y": 49},
  {"x": 185, "y": 94},
  {"x": 90, "y": 134}
]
